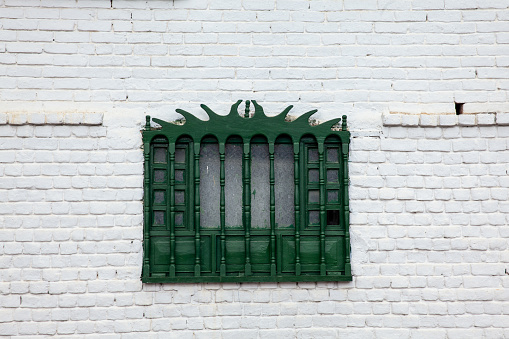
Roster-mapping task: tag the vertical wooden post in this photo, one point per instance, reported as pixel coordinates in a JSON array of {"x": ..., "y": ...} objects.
[
  {"x": 197, "y": 268},
  {"x": 147, "y": 203},
  {"x": 272, "y": 212},
  {"x": 246, "y": 178},
  {"x": 296, "y": 175},
  {"x": 171, "y": 203},
  {"x": 323, "y": 216},
  {"x": 222, "y": 267},
  {"x": 346, "y": 208}
]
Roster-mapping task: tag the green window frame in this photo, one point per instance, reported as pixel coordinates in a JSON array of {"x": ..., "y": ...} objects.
[{"x": 202, "y": 226}]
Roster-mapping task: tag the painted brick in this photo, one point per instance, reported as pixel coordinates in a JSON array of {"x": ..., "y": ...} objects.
[{"x": 427, "y": 192}]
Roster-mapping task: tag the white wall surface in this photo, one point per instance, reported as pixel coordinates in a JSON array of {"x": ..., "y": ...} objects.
[
  {"x": 359, "y": 57},
  {"x": 428, "y": 196},
  {"x": 429, "y": 235}
]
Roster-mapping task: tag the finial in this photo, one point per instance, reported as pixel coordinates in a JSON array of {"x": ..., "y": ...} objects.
[
  {"x": 147, "y": 123},
  {"x": 246, "y": 114},
  {"x": 343, "y": 123}
]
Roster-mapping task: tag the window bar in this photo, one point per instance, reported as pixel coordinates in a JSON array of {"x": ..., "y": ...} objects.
[
  {"x": 171, "y": 202},
  {"x": 272, "y": 213},
  {"x": 222, "y": 269},
  {"x": 197, "y": 265},
  {"x": 323, "y": 217},
  {"x": 296, "y": 171},
  {"x": 346, "y": 209},
  {"x": 246, "y": 178},
  {"x": 146, "y": 235}
]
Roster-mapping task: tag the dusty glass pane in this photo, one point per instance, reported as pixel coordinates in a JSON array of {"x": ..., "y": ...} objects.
[
  {"x": 180, "y": 155},
  {"x": 312, "y": 154},
  {"x": 158, "y": 217},
  {"x": 233, "y": 185},
  {"x": 333, "y": 196},
  {"x": 332, "y": 154},
  {"x": 179, "y": 197},
  {"x": 332, "y": 175},
  {"x": 159, "y": 197},
  {"x": 314, "y": 217},
  {"x": 313, "y": 196},
  {"x": 284, "y": 185},
  {"x": 179, "y": 219},
  {"x": 160, "y": 154},
  {"x": 210, "y": 186},
  {"x": 333, "y": 217},
  {"x": 313, "y": 175},
  {"x": 260, "y": 186},
  {"x": 179, "y": 176},
  {"x": 159, "y": 175}
]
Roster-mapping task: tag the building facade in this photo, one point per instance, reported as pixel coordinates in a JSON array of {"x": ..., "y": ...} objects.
[{"x": 424, "y": 85}]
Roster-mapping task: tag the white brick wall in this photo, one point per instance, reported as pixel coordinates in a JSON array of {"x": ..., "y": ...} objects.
[
  {"x": 355, "y": 57},
  {"x": 429, "y": 221},
  {"x": 428, "y": 225}
]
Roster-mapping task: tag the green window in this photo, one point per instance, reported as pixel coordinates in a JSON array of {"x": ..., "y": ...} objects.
[{"x": 238, "y": 199}]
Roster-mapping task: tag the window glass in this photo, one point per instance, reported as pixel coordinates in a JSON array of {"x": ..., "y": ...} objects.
[
  {"x": 159, "y": 197},
  {"x": 314, "y": 196},
  {"x": 284, "y": 185},
  {"x": 260, "y": 186},
  {"x": 158, "y": 218},
  {"x": 332, "y": 154},
  {"x": 332, "y": 196},
  {"x": 210, "y": 186},
  {"x": 313, "y": 154},
  {"x": 314, "y": 217},
  {"x": 313, "y": 175},
  {"x": 160, "y": 154},
  {"x": 159, "y": 175},
  {"x": 179, "y": 176},
  {"x": 333, "y": 175},
  {"x": 180, "y": 155},
  {"x": 233, "y": 185}
]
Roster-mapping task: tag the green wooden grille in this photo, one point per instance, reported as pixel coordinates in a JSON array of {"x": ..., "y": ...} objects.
[{"x": 221, "y": 204}]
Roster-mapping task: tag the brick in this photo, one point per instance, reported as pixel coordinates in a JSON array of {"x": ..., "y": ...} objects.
[
  {"x": 502, "y": 118},
  {"x": 467, "y": 120},
  {"x": 428, "y": 120},
  {"x": 447, "y": 120},
  {"x": 93, "y": 118},
  {"x": 392, "y": 119},
  {"x": 486, "y": 119}
]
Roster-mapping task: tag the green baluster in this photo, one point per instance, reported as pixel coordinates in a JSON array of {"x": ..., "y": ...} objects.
[
  {"x": 296, "y": 147},
  {"x": 222, "y": 269},
  {"x": 171, "y": 202},
  {"x": 346, "y": 209},
  {"x": 323, "y": 216},
  {"x": 272, "y": 212},
  {"x": 197, "y": 268},
  {"x": 246, "y": 111},
  {"x": 246, "y": 177},
  {"x": 146, "y": 208}
]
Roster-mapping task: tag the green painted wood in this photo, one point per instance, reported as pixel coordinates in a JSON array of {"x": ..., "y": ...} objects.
[
  {"x": 346, "y": 205},
  {"x": 222, "y": 182},
  {"x": 296, "y": 164},
  {"x": 224, "y": 126},
  {"x": 171, "y": 203},
  {"x": 246, "y": 179},
  {"x": 146, "y": 209},
  {"x": 272, "y": 212},
  {"x": 181, "y": 251},
  {"x": 323, "y": 217},
  {"x": 197, "y": 268}
]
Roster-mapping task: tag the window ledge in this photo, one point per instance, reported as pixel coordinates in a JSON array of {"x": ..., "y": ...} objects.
[
  {"x": 90, "y": 119},
  {"x": 445, "y": 120}
]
